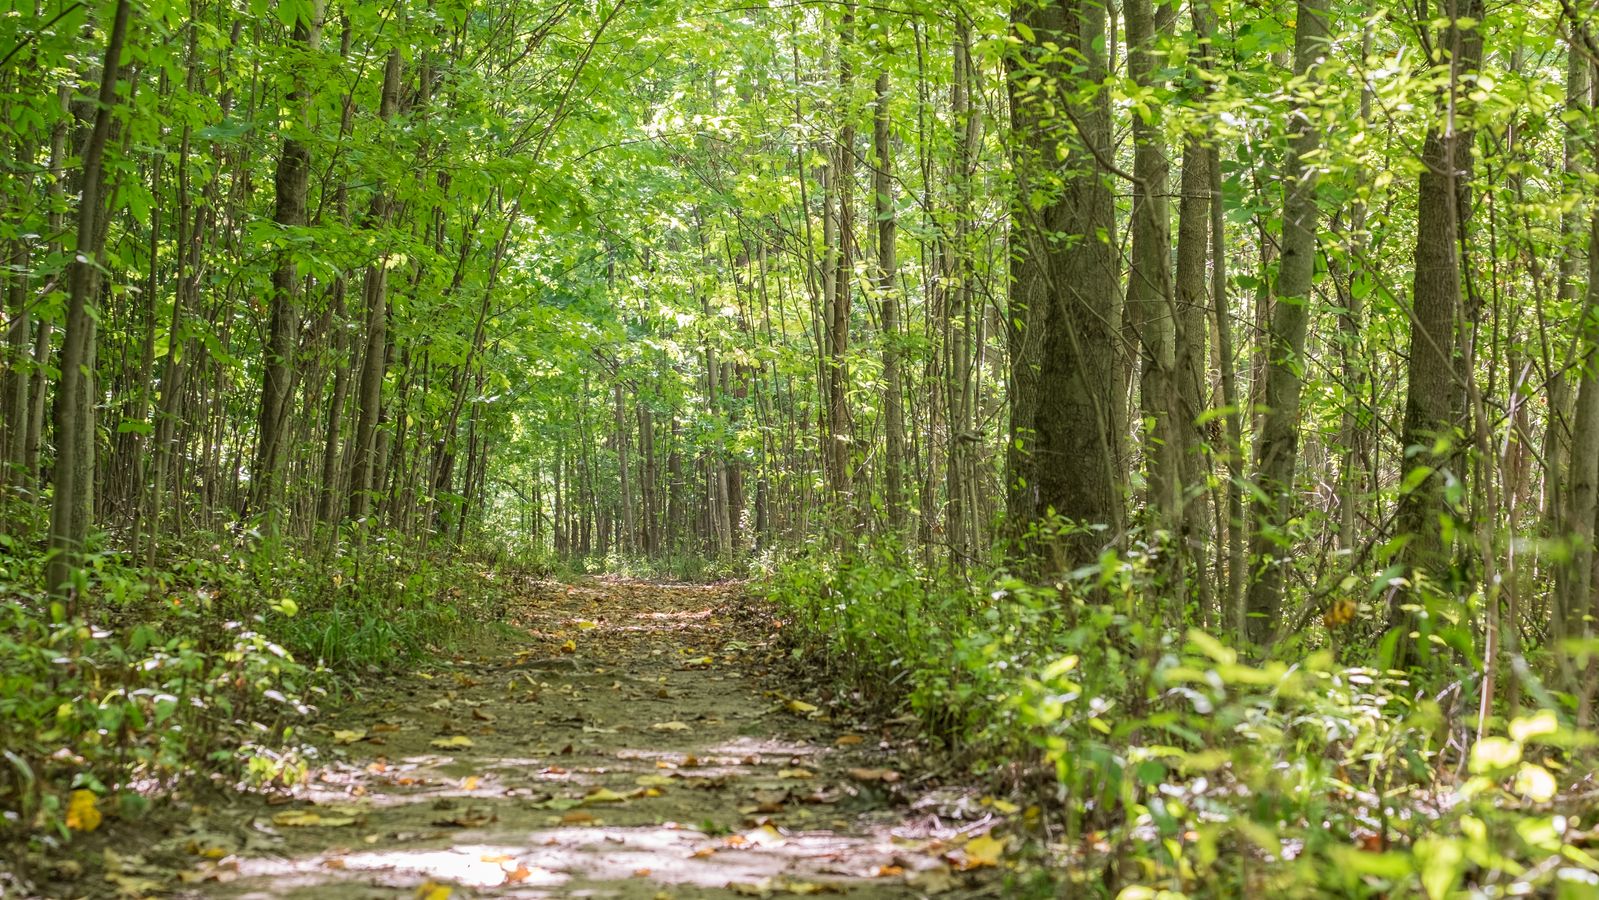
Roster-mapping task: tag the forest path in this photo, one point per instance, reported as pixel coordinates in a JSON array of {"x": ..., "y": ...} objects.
[{"x": 631, "y": 746}]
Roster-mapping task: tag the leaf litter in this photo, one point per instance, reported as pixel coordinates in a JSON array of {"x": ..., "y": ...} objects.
[{"x": 604, "y": 750}]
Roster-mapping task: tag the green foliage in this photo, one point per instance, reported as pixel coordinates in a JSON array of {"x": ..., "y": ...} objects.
[
  {"x": 1173, "y": 763},
  {"x": 162, "y": 679},
  {"x": 204, "y": 667}
]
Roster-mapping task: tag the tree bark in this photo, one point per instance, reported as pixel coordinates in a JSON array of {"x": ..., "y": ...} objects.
[
  {"x": 369, "y": 395},
  {"x": 1434, "y": 398},
  {"x": 74, "y": 473},
  {"x": 1277, "y": 453},
  {"x": 1066, "y": 293}
]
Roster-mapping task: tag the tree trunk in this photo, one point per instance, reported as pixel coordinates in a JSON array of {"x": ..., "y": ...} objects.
[
  {"x": 1069, "y": 292},
  {"x": 374, "y": 364},
  {"x": 74, "y": 475},
  {"x": 888, "y": 289},
  {"x": 1434, "y": 397},
  {"x": 1150, "y": 304},
  {"x": 293, "y": 182},
  {"x": 1277, "y": 453}
]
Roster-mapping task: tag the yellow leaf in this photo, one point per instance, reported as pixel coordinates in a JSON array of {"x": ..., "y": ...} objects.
[
  {"x": 469, "y": 783},
  {"x": 983, "y": 851},
  {"x": 652, "y": 780},
  {"x": 305, "y": 818},
  {"x": 800, "y": 707},
  {"x": 569, "y": 647},
  {"x": 349, "y": 736},
  {"x": 455, "y": 742},
  {"x": 796, "y": 773},
  {"x": 432, "y": 890},
  {"x": 604, "y": 795},
  {"x": 82, "y": 814},
  {"x": 585, "y": 626},
  {"x": 1004, "y": 806},
  {"x": 848, "y": 740}
]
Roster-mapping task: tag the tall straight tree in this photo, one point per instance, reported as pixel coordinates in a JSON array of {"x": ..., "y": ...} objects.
[
  {"x": 293, "y": 182},
  {"x": 888, "y": 291},
  {"x": 1277, "y": 453},
  {"x": 1434, "y": 397},
  {"x": 364, "y": 468},
  {"x": 74, "y": 426},
  {"x": 1151, "y": 307},
  {"x": 1065, "y": 296}
]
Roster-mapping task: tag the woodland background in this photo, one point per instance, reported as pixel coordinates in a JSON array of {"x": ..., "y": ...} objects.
[{"x": 1187, "y": 409}]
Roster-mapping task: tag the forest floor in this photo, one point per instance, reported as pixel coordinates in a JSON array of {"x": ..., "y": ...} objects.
[{"x": 627, "y": 740}]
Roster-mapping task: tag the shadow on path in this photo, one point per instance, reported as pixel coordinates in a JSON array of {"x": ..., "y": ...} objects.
[{"x": 626, "y": 748}]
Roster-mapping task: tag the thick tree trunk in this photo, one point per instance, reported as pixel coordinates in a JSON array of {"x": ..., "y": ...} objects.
[
  {"x": 1069, "y": 292},
  {"x": 1434, "y": 396}
]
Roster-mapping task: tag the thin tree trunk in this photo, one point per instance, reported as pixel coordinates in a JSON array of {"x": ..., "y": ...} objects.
[
  {"x": 1277, "y": 453},
  {"x": 74, "y": 475}
]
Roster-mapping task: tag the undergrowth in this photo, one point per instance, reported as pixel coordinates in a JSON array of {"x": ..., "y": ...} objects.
[
  {"x": 208, "y": 663},
  {"x": 1155, "y": 760}
]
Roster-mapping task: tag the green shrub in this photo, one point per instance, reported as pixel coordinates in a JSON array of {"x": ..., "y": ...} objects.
[{"x": 1167, "y": 764}]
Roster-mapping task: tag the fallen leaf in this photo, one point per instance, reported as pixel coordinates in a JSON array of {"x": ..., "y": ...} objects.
[
  {"x": 768, "y": 887},
  {"x": 305, "y": 818},
  {"x": 432, "y": 890},
  {"x": 455, "y": 742},
  {"x": 669, "y": 726},
  {"x": 1004, "y": 806},
  {"x": 578, "y": 817},
  {"x": 349, "y": 736},
  {"x": 849, "y": 740},
  {"x": 887, "y": 776},
  {"x": 796, "y": 773},
  {"x": 482, "y": 716},
  {"x": 134, "y": 886},
  {"x": 980, "y": 852},
  {"x": 652, "y": 780},
  {"x": 82, "y": 812},
  {"x": 604, "y": 795},
  {"x": 800, "y": 707},
  {"x": 569, "y": 647},
  {"x": 472, "y": 818},
  {"x": 469, "y": 783},
  {"x": 585, "y": 626},
  {"x": 518, "y": 875}
]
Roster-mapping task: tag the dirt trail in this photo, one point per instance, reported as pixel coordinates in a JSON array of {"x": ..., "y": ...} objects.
[{"x": 628, "y": 747}]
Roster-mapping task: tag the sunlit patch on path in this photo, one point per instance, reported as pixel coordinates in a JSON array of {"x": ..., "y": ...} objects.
[{"x": 628, "y": 748}]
